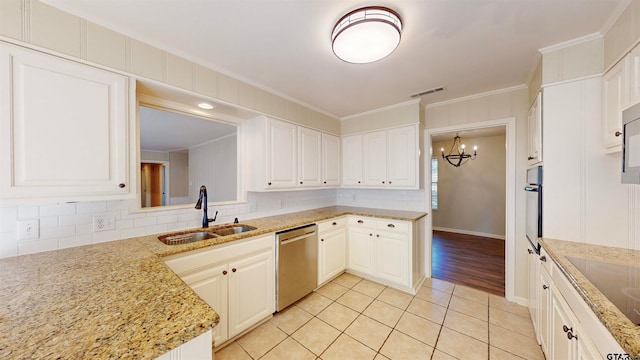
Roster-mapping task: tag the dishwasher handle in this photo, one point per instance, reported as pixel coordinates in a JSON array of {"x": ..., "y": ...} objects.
[{"x": 296, "y": 238}]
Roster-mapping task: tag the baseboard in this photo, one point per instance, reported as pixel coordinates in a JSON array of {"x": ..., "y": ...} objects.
[{"x": 467, "y": 232}]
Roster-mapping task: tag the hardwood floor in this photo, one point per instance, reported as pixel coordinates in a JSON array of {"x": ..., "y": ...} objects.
[{"x": 469, "y": 260}]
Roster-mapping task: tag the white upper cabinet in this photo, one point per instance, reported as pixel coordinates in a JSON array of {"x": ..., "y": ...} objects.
[
  {"x": 633, "y": 62},
  {"x": 615, "y": 99},
  {"x": 352, "y": 160},
  {"x": 64, "y": 129},
  {"x": 310, "y": 157},
  {"x": 282, "y": 155},
  {"x": 534, "y": 122},
  {"x": 382, "y": 159},
  {"x": 330, "y": 160}
]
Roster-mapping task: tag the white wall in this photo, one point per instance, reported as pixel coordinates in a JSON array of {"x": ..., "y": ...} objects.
[
  {"x": 471, "y": 198},
  {"x": 215, "y": 165}
]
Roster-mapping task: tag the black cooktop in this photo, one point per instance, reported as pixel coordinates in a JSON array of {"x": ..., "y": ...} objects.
[{"x": 619, "y": 283}]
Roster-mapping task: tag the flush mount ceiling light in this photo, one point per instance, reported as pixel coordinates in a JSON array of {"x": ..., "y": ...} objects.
[
  {"x": 366, "y": 35},
  {"x": 457, "y": 155},
  {"x": 206, "y": 106}
]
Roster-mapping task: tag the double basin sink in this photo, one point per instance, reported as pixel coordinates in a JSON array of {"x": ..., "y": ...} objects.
[{"x": 190, "y": 236}]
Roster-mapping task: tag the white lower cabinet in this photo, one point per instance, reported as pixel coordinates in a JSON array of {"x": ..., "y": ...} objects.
[
  {"x": 566, "y": 336},
  {"x": 387, "y": 251},
  {"x": 196, "y": 349},
  {"x": 332, "y": 249},
  {"x": 237, "y": 280}
]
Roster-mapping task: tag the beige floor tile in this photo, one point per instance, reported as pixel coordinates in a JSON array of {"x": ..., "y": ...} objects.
[
  {"x": 383, "y": 312},
  {"x": 347, "y": 280},
  {"x": 289, "y": 349},
  {"x": 291, "y": 319},
  {"x": 512, "y": 322},
  {"x": 435, "y": 296},
  {"x": 262, "y": 339},
  {"x": 470, "y": 307},
  {"x": 499, "y": 354},
  {"x": 427, "y": 310},
  {"x": 419, "y": 328},
  {"x": 381, "y": 357},
  {"x": 316, "y": 335},
  {"x": 401, "y": 346},
  {"x": 462, "y": 346},
  {"x": 369, "y": 332},
  {"x": 503, "y": 304},
  {"x": 338, "y": 316},
  {"x": 517, "y": 344},
  {"x": 439, "y": 285},
  {"x": 439, "y": 355},
  {"x": 232, "y": 351},
  {"x": 396, "y": 298},
  {"x": 467, "y": 325},
  {"x": 355, "y": 300},
  {"x": 346, "y": 347},
  {"x": 369, "y": 288},
  {"x": 332, "y": 290},
  {"x": 314, "y": 303},
  {"x": 471, "y": 294}
]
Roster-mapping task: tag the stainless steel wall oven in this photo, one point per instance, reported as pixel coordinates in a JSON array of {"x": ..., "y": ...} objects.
[{"x": 533, "y": 227}]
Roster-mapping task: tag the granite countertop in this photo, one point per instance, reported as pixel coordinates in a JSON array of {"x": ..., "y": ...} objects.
[
  {"x": 118, "y": 299},
  {"x": 626, "y": 333}
]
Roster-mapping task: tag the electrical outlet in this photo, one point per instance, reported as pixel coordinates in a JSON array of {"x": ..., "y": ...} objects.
[
  {"x": 104, "y": 222},
  {"x": 28, "y": 229}
]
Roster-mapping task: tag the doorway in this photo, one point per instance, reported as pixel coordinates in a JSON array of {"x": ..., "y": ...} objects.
[
  {"x": 471, "y": 230},
  {"x": 153, "y": 179}
]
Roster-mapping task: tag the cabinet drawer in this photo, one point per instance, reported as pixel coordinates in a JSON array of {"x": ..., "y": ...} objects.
[
  {"x": 197, "y": 259},
  {"x": 361, "y": 221},
  {"x": 394, "y": 226},
  {"x": 545, "y": 260},
  {"x": 332, "y": 224}
]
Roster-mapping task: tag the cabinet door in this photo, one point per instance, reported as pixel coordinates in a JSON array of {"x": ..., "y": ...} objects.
[
  {"x": 330, "y": 160},
  {"x": 392, "y": 257},
  {"x": 534, "y": 279},
  {"x": 211, "y": 285},
  {"x": 332, "y": 257},
  {"x": 63, "y": 128},
  {"x": 360, "y": 250},
  {"x": 352, "y": 160},
  {"x": 282, "y": 148},
  {"x": 534, "y": 122},
  {"x": 614, "y": 100},
  {"x": 402, "y": 157},
  {"x": 375, "y": 158},
  {"x": 251, "y": 291},
  {"x": 561, "y": 346},
  {"x": 633, "y": 64},
  {"x": 309, "y": 157},
  {"x": 544, "y": 301}
]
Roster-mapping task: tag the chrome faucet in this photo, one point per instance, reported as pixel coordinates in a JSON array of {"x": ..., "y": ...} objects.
[{"x": 202, "y": 197}]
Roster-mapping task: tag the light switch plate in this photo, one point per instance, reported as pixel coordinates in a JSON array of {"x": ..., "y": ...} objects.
[{"x": 28, "y": 229}]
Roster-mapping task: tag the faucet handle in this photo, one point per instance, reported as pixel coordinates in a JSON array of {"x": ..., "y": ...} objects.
[{"x": 235, "y": 221}]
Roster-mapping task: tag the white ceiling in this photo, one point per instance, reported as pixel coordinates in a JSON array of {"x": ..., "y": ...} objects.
[{"x": 467, "y": 46}]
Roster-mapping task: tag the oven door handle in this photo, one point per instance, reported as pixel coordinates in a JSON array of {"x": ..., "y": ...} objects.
[
  {"x": 531, "y": 188},
  {"x": 297, "y": 238}
]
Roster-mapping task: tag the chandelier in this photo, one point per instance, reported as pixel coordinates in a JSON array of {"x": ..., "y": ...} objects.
[
  {"x": 366, "y": 35},
  {"x": 457, "y": 155}
]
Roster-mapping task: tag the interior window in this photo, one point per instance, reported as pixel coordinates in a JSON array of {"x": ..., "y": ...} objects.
[{"x": 434, "y": 183}]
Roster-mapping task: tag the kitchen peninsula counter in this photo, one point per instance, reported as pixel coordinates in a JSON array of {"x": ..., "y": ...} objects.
[
  {"x": 118, "y": 299},
  {"x": 626, "y": 333}
]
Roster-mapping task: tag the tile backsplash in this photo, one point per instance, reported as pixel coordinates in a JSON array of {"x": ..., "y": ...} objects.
[{"x": 65, "y": 225}]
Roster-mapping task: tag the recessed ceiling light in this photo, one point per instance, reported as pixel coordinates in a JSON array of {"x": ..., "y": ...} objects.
[
  {"x": 206, "y": 106},
  {"x": 366, "y": 35}
]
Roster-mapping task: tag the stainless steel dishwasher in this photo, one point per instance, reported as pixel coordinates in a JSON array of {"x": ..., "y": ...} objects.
[{"x": 296, "y": 264}]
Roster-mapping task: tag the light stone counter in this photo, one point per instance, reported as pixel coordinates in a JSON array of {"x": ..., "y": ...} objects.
[
  {"x": 118, "y": 299},
  {"x": 623, "y": 330}
]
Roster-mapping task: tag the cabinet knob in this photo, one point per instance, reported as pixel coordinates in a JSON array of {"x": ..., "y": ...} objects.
[
  {"x": 370, "y": 234},
  {"x": 358, "y": 181},
  {"x": 360, "y": 222},
  {"x": 530, "y": 251},
  {"x": 377, "y": 235},
  {"x": 383, "y": 182},
  {"x": 544, "y": 287},
  {"x": 300, "y": 182},
  {"x": 321, "y": 239},
  {"x": 334, "y": 223},
  {"x": 618, "y": 133},
  {"x": 389, "y": 182},
  {"x": 530, "y": 158},
  {"x": 565, "y": 328},
  {"x": 571, "y": 336},
  {"x": 233, "y": 270},
  {"x": 121, "y": 185},
  {"x": 543, "y": 258},
  {"x": 269, "y": 183},
  {"x": 325, "y": 182},
  {"x": 224, "y": 272}
]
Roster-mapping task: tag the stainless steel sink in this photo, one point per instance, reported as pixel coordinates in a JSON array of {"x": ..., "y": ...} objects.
[
  {"x": 230, "y": 230},
  {"x": 186, "y": 237}
]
